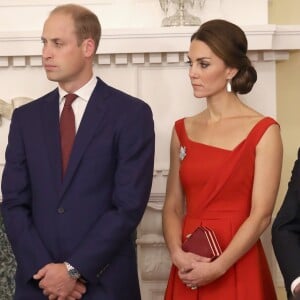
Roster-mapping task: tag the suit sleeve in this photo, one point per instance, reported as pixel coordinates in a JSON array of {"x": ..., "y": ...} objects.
[
  {"x": 27, "y": 246},
  {"x": 286, "y": 230},
  {"x": 132, "y": 186}
]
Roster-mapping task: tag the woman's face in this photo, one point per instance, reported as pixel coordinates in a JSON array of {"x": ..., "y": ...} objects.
[{"x": 208, "y": 73}]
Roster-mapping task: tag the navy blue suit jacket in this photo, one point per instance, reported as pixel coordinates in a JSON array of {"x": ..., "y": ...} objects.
[
  {"x": 286, "y": 231},
  {"x": 89, "y": 218}
]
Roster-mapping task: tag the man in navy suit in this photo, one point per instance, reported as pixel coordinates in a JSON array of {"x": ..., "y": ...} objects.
[
  {"x": 72, "y": 233},
  {"x": 286, "y": 235}
]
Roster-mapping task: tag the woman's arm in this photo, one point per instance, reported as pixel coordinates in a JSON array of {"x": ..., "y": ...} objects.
[
  {"x": 173, "y": 211},
  {"x": 268, "y": 163}
]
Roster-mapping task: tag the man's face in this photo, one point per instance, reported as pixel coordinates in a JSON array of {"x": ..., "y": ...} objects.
[{"x": 63, "y": 59}]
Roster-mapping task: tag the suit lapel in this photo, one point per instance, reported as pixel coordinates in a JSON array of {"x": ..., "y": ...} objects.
[
  {"x": 90, "y": 122},
  {"x": 50, "y": 120}
]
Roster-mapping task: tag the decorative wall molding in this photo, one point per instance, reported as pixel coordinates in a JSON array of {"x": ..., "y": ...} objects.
[
  {"x": 145, "y": 59},
  {"x": 136, "y": 59},
  {"x": 264, "y": 38}
]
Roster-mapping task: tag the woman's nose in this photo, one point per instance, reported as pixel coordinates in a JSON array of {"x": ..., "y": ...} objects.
[{"x": 192, "y": 72}]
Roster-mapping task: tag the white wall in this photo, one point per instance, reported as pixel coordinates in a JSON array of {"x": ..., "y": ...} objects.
[{"x": 30, "y": 14}]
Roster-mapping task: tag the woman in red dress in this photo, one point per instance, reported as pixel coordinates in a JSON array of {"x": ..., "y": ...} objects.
[{"x": 225, "y": 167}]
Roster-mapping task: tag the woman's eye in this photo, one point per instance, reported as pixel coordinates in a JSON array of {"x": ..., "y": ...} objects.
[
  {"x": 188, "y": 62},
  {"x": 204, "y": 65}
]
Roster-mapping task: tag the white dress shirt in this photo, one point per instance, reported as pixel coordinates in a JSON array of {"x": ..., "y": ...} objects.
[{"x": 80, "y": 103}]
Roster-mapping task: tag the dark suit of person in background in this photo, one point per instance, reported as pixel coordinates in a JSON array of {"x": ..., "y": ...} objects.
[
  {"x": 286, "y": 235},
  {"x": 72, "y": 234}
]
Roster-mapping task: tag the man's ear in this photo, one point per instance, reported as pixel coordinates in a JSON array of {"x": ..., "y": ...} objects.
[{"x": 88, "y": 46}]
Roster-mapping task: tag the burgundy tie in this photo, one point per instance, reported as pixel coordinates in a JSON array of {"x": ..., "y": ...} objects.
[{"x": 67, "y": 130}]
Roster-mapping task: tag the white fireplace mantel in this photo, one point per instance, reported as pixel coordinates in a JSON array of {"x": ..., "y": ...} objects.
[{"x": 156, "y": 40}]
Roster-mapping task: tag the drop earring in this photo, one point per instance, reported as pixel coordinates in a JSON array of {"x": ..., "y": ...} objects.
[{"x": 228, "y": 86}]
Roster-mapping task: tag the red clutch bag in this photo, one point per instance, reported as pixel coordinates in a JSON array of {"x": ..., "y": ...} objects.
[{"x": 202, "y": 242}]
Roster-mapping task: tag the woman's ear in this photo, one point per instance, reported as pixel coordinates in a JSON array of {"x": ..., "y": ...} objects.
[{"x": 231, "y": 72}]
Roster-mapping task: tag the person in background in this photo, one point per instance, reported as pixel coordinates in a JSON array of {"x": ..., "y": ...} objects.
[
  {"x": 286, "y": 235},
  {"x": 225, "y": 166},
  {"x": 78, "y": 174}
]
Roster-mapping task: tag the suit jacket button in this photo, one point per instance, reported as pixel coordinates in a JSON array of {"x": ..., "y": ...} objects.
[{"x": 60, "y": 210}]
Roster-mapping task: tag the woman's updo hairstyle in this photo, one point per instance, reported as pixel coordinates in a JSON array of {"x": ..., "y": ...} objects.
[{"x": 229, "y": 42}]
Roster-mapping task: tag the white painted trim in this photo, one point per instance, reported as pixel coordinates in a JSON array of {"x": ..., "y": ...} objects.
[{"x": 155, "y": 40}]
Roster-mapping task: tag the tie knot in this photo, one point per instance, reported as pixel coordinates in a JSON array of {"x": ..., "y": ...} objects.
[{"x": 69, "y": 98}]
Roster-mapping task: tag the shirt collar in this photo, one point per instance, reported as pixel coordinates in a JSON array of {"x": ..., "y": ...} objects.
[{"x": 84, "y": 92}]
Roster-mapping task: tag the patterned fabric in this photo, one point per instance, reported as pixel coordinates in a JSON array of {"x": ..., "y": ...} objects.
[{"x": 7, "y": 266}]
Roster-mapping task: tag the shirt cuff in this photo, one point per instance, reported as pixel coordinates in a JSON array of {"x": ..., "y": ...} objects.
[{"x": 294, "y": 284}]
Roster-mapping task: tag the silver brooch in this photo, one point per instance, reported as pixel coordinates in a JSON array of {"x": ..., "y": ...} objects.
[{"x": 182, "y": 153}]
